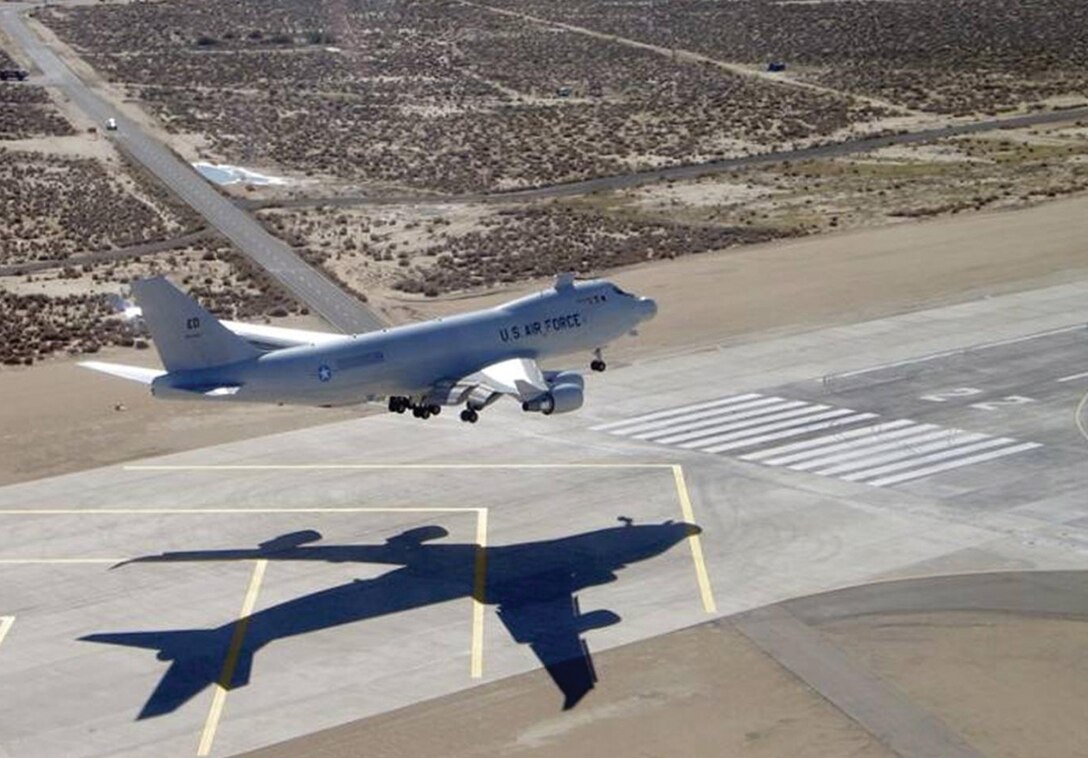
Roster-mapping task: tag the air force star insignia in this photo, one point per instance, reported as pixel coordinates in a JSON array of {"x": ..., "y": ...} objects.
[{"x": 324, "y": 373}]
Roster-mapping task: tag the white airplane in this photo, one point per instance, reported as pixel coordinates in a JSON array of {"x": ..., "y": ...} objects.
[{"x": 469, "y": 360}]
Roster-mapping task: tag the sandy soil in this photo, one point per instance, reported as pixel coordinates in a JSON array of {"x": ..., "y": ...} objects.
[
  {"x": 689, "y": 706},
  {"x": 75, "y": 146},
  {"x": 1008, "y": 684},
  {"x": 64, "y": 418}
]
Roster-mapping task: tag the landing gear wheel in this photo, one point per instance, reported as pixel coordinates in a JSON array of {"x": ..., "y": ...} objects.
[
  {"x": 434, "y": 409},
  {"x": 598, "y": 365},
  {"x": 424, "y": 413},
  {"x": 469, "y": 416},
  {"x": 397, "y": 404}
]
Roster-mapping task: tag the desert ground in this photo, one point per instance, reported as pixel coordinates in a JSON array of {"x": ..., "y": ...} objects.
[
  {"x": 469, "y": 97},
  {"x": 447, "y": 98},
  {"x": 434, "y": 249},
  {"x": 933, "y": 56}
]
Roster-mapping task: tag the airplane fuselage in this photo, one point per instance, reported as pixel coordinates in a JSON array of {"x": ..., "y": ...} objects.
[{"x": 411, "y": 360}]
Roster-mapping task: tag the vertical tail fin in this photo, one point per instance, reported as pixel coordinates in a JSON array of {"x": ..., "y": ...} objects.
[{"x": 186, "y": 336}]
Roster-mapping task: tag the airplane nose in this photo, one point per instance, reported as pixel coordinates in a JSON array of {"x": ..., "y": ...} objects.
[{"x": 647, "y": 308}]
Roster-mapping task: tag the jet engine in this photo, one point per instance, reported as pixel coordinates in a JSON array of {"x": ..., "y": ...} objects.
[
  {"x": 565, "y": 394},
  {"x": 564, "y": 377}
]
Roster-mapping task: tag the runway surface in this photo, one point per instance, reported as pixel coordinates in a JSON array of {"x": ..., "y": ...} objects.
[
  {"x": 379, "y": 563},
  {"x": 891, "y": 426},
  {"x": 340, "y": 309}
]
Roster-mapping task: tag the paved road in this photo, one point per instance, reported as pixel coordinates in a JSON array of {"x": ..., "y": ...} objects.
[
  {"x": 132, "y": 251},
  {"x": 692, "y": 171},
  {"x": 339, "y": 308}
]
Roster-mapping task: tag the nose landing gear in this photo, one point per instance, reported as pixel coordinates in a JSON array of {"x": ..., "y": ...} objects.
[{"x": 598, "y": 364}]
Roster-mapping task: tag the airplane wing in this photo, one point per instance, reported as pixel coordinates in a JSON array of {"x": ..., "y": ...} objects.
[{"x": 521, "y": 378}]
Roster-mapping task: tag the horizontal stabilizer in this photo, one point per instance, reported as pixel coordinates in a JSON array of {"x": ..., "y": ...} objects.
[
  {"x": 276, "y": 337},
  {"x": 196, "y": 658},
  {"x": 132, "y": 373}
]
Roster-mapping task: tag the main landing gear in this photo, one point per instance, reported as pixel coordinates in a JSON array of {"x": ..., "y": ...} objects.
[
  {"x": 399, "y": 404},
  {"x": 598, "y": 364}
]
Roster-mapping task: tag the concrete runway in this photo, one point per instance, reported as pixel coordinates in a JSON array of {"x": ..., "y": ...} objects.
[{"x": 352, "y": 549}]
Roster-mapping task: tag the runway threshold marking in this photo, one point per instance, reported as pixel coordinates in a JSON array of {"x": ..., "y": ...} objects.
[
  {"x": 701, "y": 575},
  {"x": 6, "y": 622},
  {"x": 211, "y": 724},
  {"x": 479, "y": 596}
]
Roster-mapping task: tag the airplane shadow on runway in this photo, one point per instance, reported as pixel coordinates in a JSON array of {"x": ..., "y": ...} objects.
[{"x": 532, "y": 585}]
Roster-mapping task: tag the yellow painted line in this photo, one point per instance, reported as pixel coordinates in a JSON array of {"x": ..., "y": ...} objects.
[
  {"x": 6, "y": 622},
  {"x": 212, "y": 511},
  {"x": 211, "y": 724},
  {"x": 479, "y": 596},
  {"x": 384, "y": 466},
  {"x": 1079, "y": 413},
  {"x": 701, "y": 574}
]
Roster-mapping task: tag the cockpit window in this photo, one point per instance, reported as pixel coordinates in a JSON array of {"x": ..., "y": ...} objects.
[{"x": 618, "y": 291}]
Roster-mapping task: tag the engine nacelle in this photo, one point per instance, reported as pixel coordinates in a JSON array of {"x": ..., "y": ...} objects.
[
  {"x": 481, "y": 397},
  {"x": 564, "y": 377},
  {"x": 561, "y": 398}
]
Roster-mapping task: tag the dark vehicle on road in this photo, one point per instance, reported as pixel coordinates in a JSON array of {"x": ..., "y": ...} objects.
[{"x": 13, "y": 74}]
